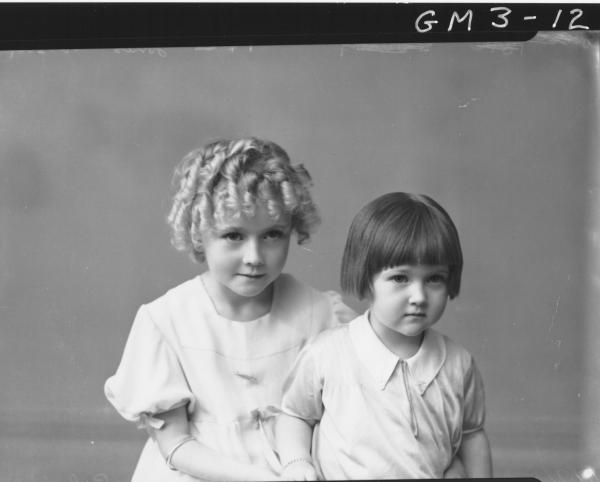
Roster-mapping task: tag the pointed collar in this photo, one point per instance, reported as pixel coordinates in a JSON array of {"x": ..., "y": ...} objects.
[{"x": 380, "y": 362}]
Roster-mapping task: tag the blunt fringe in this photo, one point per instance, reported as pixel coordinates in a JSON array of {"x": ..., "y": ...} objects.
[{"x": 395, "y": 229}]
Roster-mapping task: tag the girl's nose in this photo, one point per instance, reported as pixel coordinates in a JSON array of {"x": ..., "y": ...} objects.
[
  {"x": 417, "y": 294},
  {"x": 253, "y": 253}
]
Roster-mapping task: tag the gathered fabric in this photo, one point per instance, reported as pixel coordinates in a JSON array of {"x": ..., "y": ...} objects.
[{"x": 228, "y": 374}]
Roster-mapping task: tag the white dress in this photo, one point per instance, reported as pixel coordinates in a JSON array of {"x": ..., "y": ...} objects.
[{"x": 229, "y": 374}]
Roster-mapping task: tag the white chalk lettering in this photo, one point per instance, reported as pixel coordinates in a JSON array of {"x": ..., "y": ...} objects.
[
  {"x": 578, "y": 13},
  {"x": 501, "y": 16},
  {"x": 557, "y": 18},
  {"x": 428, "y": 23},
  {"x": 468, "y": 15}
]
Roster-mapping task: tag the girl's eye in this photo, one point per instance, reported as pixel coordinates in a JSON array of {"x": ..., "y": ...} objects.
[
  {"x": 437, "y": 279},
  {"x": 399, "y": 278},
  {"x": 274, "y": 234},
  {"x": 233, "y": 236}
]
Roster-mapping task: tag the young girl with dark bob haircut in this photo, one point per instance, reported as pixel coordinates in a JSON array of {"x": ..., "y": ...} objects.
[
  {"x": 387, "y": 396},
  {"x": 400, "y": 228}
]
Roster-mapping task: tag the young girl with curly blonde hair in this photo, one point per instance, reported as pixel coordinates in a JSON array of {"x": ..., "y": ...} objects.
[{"x": 204, "y": 364}]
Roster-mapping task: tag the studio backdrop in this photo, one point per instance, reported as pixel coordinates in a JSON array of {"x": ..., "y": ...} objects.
[{"x": 504, "y": 135}]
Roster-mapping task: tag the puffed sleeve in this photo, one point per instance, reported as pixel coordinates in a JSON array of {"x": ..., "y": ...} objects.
[
  {"x": 302, "y": 390},
  {"x": 474, "y": 399},
  {"x": 342, "y": 313},
  {"x": 149, "y": 379}
]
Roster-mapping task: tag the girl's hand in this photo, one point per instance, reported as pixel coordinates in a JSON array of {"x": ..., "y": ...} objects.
[{"x": 299, "y": 470}]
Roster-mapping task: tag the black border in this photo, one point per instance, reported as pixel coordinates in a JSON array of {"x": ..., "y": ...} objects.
[
  {"x": 35, "y": 26},
  {"x": 112, "y": 25}
]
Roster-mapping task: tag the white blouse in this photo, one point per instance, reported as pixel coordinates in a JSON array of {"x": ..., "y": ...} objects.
[
  {"x": 229, "y": 374},
  {"x": 382, "y": 417}
]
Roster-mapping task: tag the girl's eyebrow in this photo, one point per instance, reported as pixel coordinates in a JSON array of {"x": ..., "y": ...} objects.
[
  {"x": 398, "y": 269},
  {"x": 277, "y": 226},
  {"x": 235, "y": 227},
  {"x": 226, "y": 229}
]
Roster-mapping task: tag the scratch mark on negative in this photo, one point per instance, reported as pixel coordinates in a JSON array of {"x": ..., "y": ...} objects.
[
  {"x": 502, "y": 47},
  {"x": 555, "y": 314},
  {"x": 564, "y": 38},
  {"x": 390, "y": 48},
  {"x": 466, "y": 104}
]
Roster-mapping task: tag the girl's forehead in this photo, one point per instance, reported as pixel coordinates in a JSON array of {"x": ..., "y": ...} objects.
[{"x": 260, "y": 219}]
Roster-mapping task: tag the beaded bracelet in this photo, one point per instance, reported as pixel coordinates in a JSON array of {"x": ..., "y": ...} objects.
[
  {"x": 296, "y": 460},
  {"x": 185, "y": 440}
]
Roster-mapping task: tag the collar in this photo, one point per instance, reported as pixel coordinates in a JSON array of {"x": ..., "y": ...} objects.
[{"x": 381, "y": 363}]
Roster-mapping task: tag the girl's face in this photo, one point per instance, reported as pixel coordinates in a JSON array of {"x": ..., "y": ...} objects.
[
  {"x": 245, "y": 255},
  {"x": 408, "y": 299}
]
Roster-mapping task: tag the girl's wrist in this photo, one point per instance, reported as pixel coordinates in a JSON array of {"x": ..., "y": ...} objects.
[
  {"x": 297, "y": 460},
  {"x": 169, "y": 457}
]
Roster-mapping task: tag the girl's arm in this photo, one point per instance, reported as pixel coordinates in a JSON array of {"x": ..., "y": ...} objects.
[
  {"x": 195, "y": 458},
  {"x": 294, "y": 439},
  {"x": 476, "y": 455}
]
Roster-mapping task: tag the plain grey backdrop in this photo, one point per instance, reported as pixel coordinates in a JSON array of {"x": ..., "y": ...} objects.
[{"x": 502, "y": 135}]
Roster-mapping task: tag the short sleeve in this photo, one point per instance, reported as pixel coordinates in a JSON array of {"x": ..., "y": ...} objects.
[
  {"x": 474, "y": 400},
  {"x": 342, "y": 313},
  {"x": 149, "y": 379},
  {"x": 302, "y": 390}
]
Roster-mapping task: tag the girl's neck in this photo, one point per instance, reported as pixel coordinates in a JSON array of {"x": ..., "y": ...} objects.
[{"x": 234, "y": 307}]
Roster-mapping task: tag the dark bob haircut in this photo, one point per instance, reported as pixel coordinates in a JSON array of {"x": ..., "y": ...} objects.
[{"x": 395, "y": 229}]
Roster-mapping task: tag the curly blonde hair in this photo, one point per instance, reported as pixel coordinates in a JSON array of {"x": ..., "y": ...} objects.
[{"x": 226, "y": 178}]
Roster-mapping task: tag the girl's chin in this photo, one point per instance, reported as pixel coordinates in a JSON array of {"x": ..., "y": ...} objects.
[
  {"x": 249, "y": 288},
  {"x": 411, "y": 331}
]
